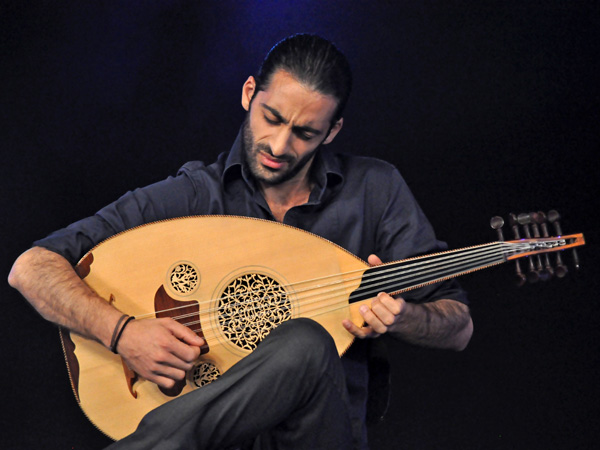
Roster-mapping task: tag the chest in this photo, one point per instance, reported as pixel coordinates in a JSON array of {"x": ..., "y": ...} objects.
[{"x": 342, "y": 219}]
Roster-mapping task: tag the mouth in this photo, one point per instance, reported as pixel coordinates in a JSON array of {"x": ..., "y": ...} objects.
[{"x": 271, "y": 162}]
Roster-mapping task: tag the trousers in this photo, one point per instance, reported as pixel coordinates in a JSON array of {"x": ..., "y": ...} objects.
[{"x": 290, "y": 393}]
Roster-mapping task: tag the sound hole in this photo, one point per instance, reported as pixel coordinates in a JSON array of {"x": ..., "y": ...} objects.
[
  {"x": 205, "y": 373},
  {"x": 250, "y": 307},
  {"x": 184, "y": 278}
]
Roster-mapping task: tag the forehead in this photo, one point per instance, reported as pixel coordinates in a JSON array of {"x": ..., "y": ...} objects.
[{"x": 296, "y": 102}]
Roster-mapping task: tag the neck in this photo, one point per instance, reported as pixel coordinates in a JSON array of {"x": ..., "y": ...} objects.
[{"x": 293, "y": 192}]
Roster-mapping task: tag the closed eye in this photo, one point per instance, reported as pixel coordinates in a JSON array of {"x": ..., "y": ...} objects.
[
  {"x": 304, "y": 135},
  {"x": 272, "y": 117},
  {"x": 272, "y": 121}
]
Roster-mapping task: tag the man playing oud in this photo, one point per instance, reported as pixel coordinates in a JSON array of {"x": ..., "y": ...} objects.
[{"x": 293, "y": 391}]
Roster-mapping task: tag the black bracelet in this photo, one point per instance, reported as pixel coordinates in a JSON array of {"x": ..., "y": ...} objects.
[
  {"x": 117, "y": 327},
  {"x": 114, "y": 346}
]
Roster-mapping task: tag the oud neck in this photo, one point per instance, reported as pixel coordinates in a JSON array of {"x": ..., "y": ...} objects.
[{"x": 402, "y": 276}]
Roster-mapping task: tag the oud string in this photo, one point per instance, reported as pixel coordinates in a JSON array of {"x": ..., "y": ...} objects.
[
  {"x": 340, "y": 301},
  {"x": 375, "y": 276},
  {"x": 453, "y": 263},
  {"x": 382, "y": 272}
]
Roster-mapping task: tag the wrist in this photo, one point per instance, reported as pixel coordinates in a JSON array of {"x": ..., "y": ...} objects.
[
  {"x": 118, "y": 331},
  {"x": 413, "y": 324}
]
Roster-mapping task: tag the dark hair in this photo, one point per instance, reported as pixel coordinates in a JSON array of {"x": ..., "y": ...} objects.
[{"x": 314, "y": 62}]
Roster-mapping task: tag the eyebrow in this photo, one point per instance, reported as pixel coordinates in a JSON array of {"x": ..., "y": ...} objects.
[{"x": 279, "y": 117}]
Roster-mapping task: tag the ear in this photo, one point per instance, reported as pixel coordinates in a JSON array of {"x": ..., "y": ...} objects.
[
  {"x": 334, "y": 131},
  {"x": 248, "y": 92}
]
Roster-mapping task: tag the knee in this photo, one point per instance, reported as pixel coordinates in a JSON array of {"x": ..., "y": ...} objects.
[
  {"x": 304, "y": 332},
  {"x": 305, "y": 340}
]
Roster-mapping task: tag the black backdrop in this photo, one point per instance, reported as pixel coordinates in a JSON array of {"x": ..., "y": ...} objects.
[{"x": 485, "y": 107}]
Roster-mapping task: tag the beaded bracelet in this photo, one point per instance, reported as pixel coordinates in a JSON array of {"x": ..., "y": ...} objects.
[{"x": 116, "y": 337}]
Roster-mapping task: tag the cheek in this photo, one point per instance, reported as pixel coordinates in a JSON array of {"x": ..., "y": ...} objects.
[
  {"x": 302, "y": 149},
  {"x": 260, "y": 129},
  {"x": 305, "y": 152}
]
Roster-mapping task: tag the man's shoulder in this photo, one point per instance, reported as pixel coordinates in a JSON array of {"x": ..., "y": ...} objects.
[
  {"x": 200, "y": 167},
  {"x": 192, "y": 166},
  {"x": 367, "y": 165}
]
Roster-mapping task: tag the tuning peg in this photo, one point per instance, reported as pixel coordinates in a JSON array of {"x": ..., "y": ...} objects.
[
  {"x": 543, "y": 223},
  {"x": 497, "y": 223},
  {"x": 555, "y": 216},
  {"x": 561, "y": 268},
  {"x": 514, "y": 224},
  {"x": 524, "y": 220},
  {"x": 540, "y": 219},
  {"x": 521, "y": 278},
  {"x": 544, "y": 268}
]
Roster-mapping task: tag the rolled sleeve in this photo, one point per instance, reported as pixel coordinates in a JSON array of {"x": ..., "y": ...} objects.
[
  {"x": 173, "y": 197},
  {"x": 403, "y": 232}
]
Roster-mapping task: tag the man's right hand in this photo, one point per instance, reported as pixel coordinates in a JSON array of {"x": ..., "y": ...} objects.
[{"x": 159, "y": 350}]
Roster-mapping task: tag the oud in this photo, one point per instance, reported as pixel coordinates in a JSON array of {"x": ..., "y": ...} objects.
[{"x": 262, "y": 274}]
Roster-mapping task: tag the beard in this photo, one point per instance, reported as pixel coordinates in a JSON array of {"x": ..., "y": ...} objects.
[{"x": 268, "y": 175}]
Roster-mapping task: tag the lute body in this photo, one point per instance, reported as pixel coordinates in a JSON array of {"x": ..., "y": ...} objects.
[
  {"x": 211, "y": 263},
  {"x": 232, "y": 280}
]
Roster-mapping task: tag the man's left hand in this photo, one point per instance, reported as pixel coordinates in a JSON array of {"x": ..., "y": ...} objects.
[{"x": 383, "y": 312}]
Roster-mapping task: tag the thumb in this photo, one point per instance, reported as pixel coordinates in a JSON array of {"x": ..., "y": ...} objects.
[{"x": 374, "y": 260}]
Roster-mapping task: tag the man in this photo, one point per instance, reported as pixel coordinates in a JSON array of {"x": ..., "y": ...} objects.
[{"x": 277, "y": 170}]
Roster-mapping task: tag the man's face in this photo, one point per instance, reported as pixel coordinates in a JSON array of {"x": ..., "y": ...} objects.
[{"x": 284, "y": 127}]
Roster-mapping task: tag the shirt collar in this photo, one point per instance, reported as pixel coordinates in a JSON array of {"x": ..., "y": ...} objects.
[{"x": 234, "y": 164}]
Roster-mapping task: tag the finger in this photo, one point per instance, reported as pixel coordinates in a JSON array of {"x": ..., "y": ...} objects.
[
  {"x": 178, "y": 358},
  {"x": 372, "y": 320},
  {"x": 171, "y": 372},
  {"x": 166, "y": 380},
  {"x": 168, "y": 348},
  {"x": 359, "y": 332},
  {"x": 394, "y": 304},
  {"x": 181, "y": 355},
  {"x": 374, "y": 260},
  {"x": 186, "y": 345},
  {"x": 161, "y": 366},
  {"x": 184, "y": 334},
  {"x": 386, "y": 308}
]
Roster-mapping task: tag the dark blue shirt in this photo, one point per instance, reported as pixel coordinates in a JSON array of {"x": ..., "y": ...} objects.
[{"x": 360, "y": 203}]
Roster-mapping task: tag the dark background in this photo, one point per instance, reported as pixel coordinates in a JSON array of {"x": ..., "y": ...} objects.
[{"x": 485, "y": 107}]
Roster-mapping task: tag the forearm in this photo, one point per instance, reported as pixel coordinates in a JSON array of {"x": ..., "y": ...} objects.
[
  {"x": 443, "y": 324},
  {"x": 50, "y": 284}
]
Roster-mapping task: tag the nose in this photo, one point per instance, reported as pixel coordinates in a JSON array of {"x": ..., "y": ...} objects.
[{"x": 280, "y": 141}]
